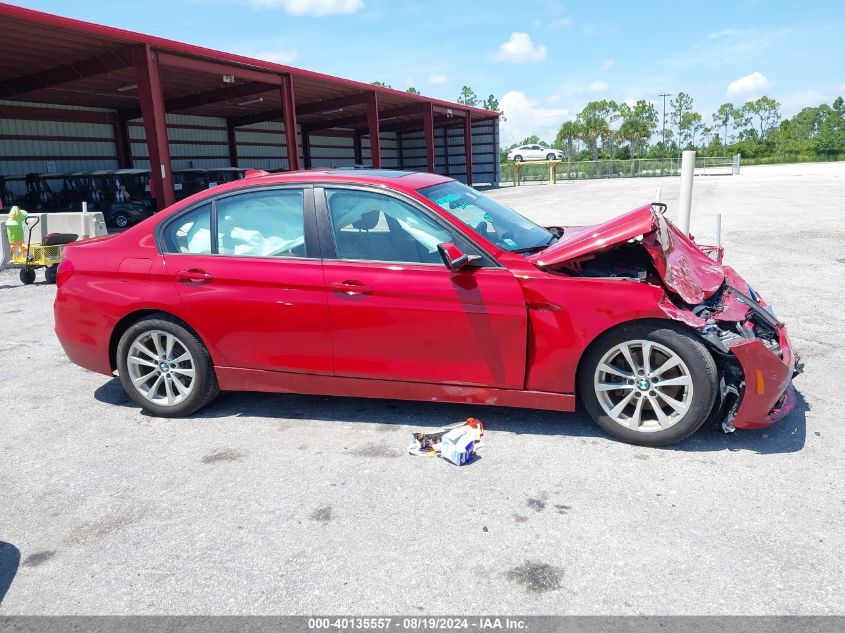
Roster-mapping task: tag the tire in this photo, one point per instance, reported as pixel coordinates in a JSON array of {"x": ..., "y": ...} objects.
[
  {"x": 50, "y": 273},
  {"x": 550, "y": 157},
  {"x": 27, "y": 276},
  {"x": 160, "y": 394},
  {"x": 517, "y": 159},
  {"x": 121, "y": 220},
  {"x": 662, "y": 408}
]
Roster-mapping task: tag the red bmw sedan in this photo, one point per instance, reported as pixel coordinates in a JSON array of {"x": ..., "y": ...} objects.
[{"x": 391, "y": 284}]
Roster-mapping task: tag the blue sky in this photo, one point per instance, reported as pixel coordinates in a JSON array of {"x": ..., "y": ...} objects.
[{"x": 543, "y": 59}]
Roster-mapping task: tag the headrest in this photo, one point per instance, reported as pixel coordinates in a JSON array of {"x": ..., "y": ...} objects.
[{"x": 367, "y": 221}]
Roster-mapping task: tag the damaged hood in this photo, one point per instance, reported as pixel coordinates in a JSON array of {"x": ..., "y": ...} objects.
[{"x": 681, "y": 264}]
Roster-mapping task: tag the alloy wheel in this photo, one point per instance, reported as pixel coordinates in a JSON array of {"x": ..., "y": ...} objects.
[
  {"x": 161, "y": 368},
  {"x": 643, "y": 385}
]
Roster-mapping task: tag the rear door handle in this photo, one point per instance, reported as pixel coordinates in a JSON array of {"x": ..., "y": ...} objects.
[
  {"x": 194, "y": 275},
  {"x": 350, "y": 287}
]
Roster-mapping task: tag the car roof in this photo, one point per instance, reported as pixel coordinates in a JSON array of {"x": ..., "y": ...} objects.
[{"x": 395, "y": 179}]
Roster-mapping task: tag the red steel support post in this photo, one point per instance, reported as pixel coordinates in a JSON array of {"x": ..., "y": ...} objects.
[
  {"x": 358, "y": 149},
  {"x": 373, "y": 127},
  {"x": 289, "y": 118},
  {"x": 428, "y": 133},
  {"x": 155, "y": 124},
  {"x": 468, "y": 146},
  {"x": 306, "y": 148},
  {"x": 233, "y": 143},
  {"x": 121, "y": 141}
]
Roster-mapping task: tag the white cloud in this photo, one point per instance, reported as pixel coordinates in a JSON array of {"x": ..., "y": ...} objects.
[
  {"x": 525, "y": 118},
  {"x": 748, "y": 85},
  {"x": 608, "y": 64},
  {"x": 519, "y": 49},
  {"x": 277, "y": 57},
  {"x": 725, "y": 33},
  {"x": 598, "y": 86},
  {"x": 437, "y": 79},
  {"x": 316, "y": 8},
  {"x": 560, "y": 23}
]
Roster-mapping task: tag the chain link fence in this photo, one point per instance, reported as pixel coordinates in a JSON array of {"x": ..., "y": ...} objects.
[{"x": 544, "y": 171}]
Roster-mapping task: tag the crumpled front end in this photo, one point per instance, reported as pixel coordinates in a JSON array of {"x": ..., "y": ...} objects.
[
  {"x": 749, "y": 343},
  {"x": 756, "y": 357}
]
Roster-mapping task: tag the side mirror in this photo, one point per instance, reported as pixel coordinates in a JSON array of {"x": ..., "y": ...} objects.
[{"x": 453, "y": 257}]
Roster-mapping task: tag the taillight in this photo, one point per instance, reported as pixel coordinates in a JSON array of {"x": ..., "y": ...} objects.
[{"x": 64, "y": 271}]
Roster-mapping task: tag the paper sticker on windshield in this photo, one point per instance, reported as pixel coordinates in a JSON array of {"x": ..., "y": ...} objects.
[{"x": 452, "y": 201}]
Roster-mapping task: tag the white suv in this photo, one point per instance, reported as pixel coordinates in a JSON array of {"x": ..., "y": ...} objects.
[{"x": 534, "y": 152}]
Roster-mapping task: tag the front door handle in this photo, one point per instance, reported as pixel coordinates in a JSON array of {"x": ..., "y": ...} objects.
[
  {"x": 194, "y": 275},
  {"x": 350, "y": 287}
]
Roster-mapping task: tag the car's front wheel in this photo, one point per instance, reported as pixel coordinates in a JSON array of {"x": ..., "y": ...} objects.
[
  {"x": 551, "y": 157},
  {"x": 649, "y": 384},
  {"x": 121, "y": 220},
  {"x": 165, "y": 368}
]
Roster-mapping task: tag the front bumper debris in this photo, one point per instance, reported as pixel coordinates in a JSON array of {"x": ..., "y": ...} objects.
[{"x": 768, "y": 394}]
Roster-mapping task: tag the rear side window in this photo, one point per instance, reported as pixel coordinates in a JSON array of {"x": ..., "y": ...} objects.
[
  {"x": 262, "y": 224},
  {"x": 267, "y": 223},
  {"x": 190, "y": 233}
]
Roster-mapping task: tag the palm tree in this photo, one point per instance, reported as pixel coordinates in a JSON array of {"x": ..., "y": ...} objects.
[{"x": 568, "y": 133}]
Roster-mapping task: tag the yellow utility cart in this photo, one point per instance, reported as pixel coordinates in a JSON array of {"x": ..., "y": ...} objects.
[{"x": 46, "y": 255}]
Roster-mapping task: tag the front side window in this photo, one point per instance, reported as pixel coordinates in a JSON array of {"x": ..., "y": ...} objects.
[
  {"x": 375, "y": 227},
  {"x": 498, "y": 224},
  {"x": 262, "y": 224},
  {"x": 190, "y": 232}
]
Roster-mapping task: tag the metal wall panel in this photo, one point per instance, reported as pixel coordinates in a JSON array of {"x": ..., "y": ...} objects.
[{"x": 485, "y": 152}]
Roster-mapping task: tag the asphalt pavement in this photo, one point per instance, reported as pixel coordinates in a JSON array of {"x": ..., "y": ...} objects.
[{"x": 277, "y": 504}]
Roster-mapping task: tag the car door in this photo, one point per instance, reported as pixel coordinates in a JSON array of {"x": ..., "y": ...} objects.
[
  {"x": 398, "y": 313},
  {"x": 247, "y": 269}
]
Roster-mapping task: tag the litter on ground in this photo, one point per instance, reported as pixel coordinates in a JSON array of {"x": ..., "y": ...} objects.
[{"x": 456, "y": 443}]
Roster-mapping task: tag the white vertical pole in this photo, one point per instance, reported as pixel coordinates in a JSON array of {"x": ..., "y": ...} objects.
[
  {"x": 718, "y": 229},
  {"x": 84, "y": 234},
  {"x": 657, "y": 195},
  {"x": 687, "y": 172}
]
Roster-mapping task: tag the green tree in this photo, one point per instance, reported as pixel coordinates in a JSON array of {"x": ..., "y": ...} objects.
[
  {"x": 727, "y": 114},
  {"x": 566, "y": 137},
  {"x": 492, "y": 103},
  {"x": 532, "y": 140},
  {"x": 593, "y": 123},
  {"x": 468, "y": 97},
  {"x": 766, "y": 111},
  {"x": 382, "y": 84},
  {"x": 693, "y": 125},
  {"x": 413, "y": 90},
  {"x": 679, "y": 115},
  {"x": 638, "y": 124}
]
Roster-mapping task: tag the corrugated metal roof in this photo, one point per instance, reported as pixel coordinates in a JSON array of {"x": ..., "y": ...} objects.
[{"x": 97, "y": 70}]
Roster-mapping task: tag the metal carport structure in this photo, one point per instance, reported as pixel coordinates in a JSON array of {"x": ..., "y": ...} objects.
[{"x": 91, "y": 73}]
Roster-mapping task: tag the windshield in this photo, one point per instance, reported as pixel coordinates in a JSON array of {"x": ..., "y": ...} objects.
[{"x": 498, "y": 224}]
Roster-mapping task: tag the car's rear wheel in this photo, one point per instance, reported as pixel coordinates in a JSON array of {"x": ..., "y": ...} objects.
[
  {"x": 165, "y": 368},
  {"x": 121, "y": 220},
  {"x": 649, "y": 384},
  {"x": 517, "y": 159}
]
